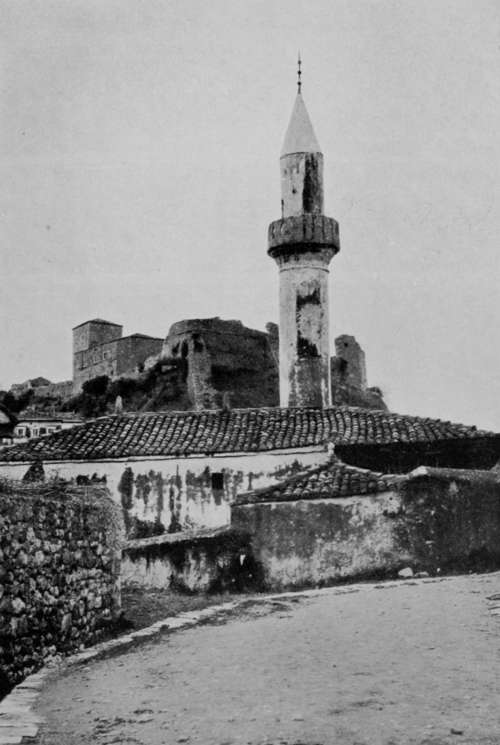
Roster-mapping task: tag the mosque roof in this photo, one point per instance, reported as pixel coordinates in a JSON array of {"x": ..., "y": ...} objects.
[
  {"x": 300, "y": 137},
  {"x": 328, "y": 481},
  {"x": 167, "y": 433}
]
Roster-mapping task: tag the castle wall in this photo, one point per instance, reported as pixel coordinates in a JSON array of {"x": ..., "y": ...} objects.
[
  {"x": 353, "y": 371},
  {"x": 101, "y": 359},
  {"x": 88, "y": 334},
  {"x": 133, "y": 350},
  {"x": 62, "y": 389},
  {"x": 113, "y": 358},
  {"x": 224, "y": 357}
]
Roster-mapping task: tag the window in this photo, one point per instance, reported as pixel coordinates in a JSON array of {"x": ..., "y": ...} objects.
[
  {"x": 43, "y": 430},
  {"x": 217, "y": 481}
]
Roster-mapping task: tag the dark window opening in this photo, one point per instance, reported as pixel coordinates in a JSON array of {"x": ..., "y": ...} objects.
[
  {"x": 217, "y": 481},
  {"x": 184, "y": 349},
  {"x": 305, "y": 348},
  {"x": 197, "y": 344}
]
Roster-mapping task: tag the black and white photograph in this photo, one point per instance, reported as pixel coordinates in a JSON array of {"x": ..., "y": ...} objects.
[{"x": 249, "y": 372}]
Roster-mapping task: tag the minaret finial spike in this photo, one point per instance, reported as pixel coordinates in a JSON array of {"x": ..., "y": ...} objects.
[{"x": 299, "y": 73}]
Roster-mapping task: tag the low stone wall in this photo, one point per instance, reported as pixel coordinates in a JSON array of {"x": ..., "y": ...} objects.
[
  {"x": 211, "y": 560},
  {"x": 435, "y": 520},
  {"x": 60, "y": 550}
]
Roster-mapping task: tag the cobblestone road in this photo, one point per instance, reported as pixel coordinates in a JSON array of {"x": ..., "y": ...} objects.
[{"x": 375, "y": 665}]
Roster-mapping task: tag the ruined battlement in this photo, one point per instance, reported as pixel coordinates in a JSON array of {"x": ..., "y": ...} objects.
[{"x": 224, "y": 358}]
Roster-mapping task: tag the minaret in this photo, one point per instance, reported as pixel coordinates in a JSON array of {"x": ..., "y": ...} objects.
[{"x": 303, "y": 243}]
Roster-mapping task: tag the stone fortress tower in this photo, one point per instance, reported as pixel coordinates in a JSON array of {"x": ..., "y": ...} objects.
[{"x": 303, "y": 243}]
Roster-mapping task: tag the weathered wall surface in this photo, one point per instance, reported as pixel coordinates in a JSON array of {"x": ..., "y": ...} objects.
[
  {"x": 134, "y": 350},
  {"x": 320, "y": 541},
  {"x": 205, "y": 561},
  {"x": 301, "y": 184},
  {"x": 450, "y": 519},
  {"x": 179, "y": 493},
  {"x": 431, "y": 522},
  {"x": 225, "y": 357},
  {"x": 304, "y": 329},
  {"x": 100, "y": 349},
  {"x": 101, "y": 359},
  {"x": 59, "y": 572},
  {"x": 94, "y": 332},
  {"x": 353, "y": 371},
  {"x": 348, "y": 376},
  {"x": 62, "y": 390}
]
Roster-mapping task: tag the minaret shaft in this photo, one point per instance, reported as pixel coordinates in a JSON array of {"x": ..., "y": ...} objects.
[
  {"x": 304, "y": 332},
  {"x": 301, "y": 184}
]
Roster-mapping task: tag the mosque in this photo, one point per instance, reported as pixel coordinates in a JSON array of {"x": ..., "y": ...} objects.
[{"x": 185, "y": 469}]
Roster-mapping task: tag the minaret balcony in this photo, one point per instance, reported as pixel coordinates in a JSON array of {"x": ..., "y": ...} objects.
[{"x": 305, "y": 232}]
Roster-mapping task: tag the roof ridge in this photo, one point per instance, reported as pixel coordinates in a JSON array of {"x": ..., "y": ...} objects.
[{"x": 207, "y": 431}]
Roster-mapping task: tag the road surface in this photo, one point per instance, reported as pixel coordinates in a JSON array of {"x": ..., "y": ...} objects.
[{"x": 416, "y": 663}]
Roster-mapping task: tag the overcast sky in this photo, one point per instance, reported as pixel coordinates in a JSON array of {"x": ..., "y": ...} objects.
[{"x": 140, "y": 144}]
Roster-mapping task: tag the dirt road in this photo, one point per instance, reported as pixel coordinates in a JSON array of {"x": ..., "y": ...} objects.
[{"x": 412, "y": 663}]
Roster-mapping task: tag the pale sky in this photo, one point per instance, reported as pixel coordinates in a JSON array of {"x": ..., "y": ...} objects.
[{"x": 140, "y": 145}]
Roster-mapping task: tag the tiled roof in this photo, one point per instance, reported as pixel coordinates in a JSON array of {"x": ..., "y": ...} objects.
[
  {"x": 232, "y": 431},
  {"x": 331, "y": 480}
]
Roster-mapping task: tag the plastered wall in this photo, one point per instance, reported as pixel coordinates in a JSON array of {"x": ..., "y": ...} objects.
[{"x": 179, "y": 493}]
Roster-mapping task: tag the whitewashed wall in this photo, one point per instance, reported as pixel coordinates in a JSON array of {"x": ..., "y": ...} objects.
[{"x": 178, "y": 492}]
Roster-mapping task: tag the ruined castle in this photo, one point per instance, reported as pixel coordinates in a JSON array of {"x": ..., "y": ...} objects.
[{"x": 223, "y": 363}]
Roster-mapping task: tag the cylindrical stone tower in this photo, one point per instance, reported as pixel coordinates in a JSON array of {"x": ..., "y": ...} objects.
[{"x": 303, "y": 243}]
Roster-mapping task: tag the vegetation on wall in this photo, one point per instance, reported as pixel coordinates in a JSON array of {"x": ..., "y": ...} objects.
[
  {"x": 15, "y": 404},
  {"x": 162, "y": 387}
]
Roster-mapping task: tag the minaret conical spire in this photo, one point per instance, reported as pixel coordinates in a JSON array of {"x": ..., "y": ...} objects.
[{"x": 300, "y": 136}]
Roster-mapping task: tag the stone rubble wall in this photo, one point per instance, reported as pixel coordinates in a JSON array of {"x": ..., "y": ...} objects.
[{"x": 60, "y": 549}]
